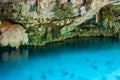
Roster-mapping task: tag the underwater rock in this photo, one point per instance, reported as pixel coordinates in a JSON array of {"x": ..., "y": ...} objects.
[
  {"x": 117, "y": 77},
  {"x": 72, "y": 75},
  {"x": 43, "y": 76},
  {"x": 65, "y": 73},
  {"x": 95, "y": 67},
  {"x": 109, "y": 63}
]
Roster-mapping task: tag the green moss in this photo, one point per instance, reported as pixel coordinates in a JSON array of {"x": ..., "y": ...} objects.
[{"x": 35, "y": 39}]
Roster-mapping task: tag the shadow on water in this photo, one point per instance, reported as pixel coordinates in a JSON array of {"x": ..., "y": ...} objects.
[{"x": 52, "y": 49}]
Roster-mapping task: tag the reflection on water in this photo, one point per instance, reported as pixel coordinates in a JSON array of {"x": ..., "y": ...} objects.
[
  {"x": 8, "y": 55},
  {"x": 81, "y": 44},
  {"x": 72, "y": 59}
]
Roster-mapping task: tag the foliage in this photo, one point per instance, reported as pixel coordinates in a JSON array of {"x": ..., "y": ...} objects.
[
  {"x": 116, "y": 28},
  {"x": 116, "y": 8},
  {"x": 35, "y": 39},
  {"x": 38, "y": 37}
]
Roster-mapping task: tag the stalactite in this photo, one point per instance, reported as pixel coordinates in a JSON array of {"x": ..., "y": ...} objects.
[
  {"x": 63, "y": 1},
  {"x": 39, "y": 2},
  {"x": 97, "y": 18},
  {"x": 25, "y": 1},
  {"x": 57, "y": 2}
]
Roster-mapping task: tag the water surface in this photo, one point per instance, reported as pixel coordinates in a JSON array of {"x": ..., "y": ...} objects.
[{"x": 72, "y": 59}]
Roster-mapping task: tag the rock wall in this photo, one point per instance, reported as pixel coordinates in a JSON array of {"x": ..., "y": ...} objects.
[
  {"x": 12, "y": 35},
  {"x": 47, "y": 22}
]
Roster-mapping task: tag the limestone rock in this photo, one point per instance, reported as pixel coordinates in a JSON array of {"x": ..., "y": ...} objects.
[{"x": 12, "y": 35}]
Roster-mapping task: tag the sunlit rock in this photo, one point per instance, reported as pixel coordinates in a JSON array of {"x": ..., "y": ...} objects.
[
  {"x": 25, "y": 8},
  {"x": 83, "y": 10},
  {"x": 95, "y": 4},
  {"x": 63, "y": 1},
  {"x": 76, "y": 3},
  {"x": 12, "y": 35},
  {"x": 48, "y": 3},
  {"x": 46, "y": 13}
]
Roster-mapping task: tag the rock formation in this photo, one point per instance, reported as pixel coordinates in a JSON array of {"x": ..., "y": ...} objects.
[
  {"x": 54, "y": 20},
  {"x": 12, "y": 35}
]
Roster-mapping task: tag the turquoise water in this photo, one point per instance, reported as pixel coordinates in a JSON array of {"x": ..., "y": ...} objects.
[{"x": 72, "y": 59}]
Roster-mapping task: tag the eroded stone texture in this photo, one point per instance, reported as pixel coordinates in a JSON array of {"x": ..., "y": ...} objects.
[
  {"x": 12, "y": 35},
  {"x": 53, "y": 20}
]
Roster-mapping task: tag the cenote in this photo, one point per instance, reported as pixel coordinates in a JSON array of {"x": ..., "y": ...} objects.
[{"x": 72, "y": 59}]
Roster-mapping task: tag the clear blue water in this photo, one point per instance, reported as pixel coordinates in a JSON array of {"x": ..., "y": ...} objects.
[{"x": 72, "y": 59}]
